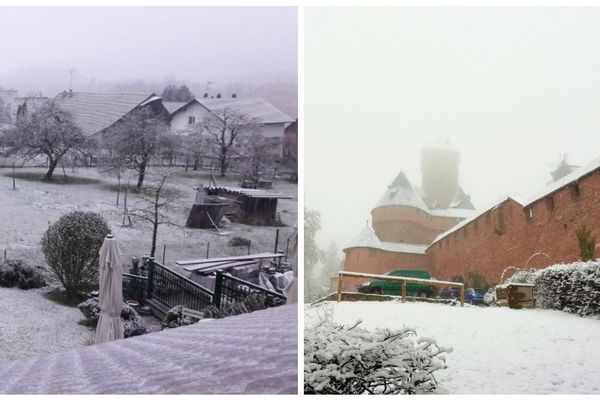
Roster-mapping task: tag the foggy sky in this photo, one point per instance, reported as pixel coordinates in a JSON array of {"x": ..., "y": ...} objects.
[
  {"x": 511, "y": 88},
  {"x": 39, "y": 45}
]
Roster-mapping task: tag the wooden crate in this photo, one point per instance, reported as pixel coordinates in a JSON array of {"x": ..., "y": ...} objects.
[
  {"x": 502, "y": 296},
  {"x": 521, "y": 295}
]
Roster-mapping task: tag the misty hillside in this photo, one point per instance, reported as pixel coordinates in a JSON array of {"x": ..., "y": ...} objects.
[{"x": 280, "y": 89}]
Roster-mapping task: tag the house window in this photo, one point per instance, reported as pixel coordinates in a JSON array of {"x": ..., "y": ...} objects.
[{"x": 191, "y": 120}]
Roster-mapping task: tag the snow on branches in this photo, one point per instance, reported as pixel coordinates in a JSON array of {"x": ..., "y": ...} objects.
[
  {"x": 351, "y": 360},
  {"x": 573, "y": 288}
]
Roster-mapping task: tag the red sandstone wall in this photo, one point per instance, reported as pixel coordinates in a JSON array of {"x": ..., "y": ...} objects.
[
  {"x": 507, "y": 236},
  {"x": 408, "y": 224},
  {"x": 374, "y": 261}
]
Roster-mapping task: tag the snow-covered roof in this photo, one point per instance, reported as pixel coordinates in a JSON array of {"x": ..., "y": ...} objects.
[
  {"x": 474, "y": 217},
  {"x": 249, "y": 353},
  {"x": 452, "y": 212},
  {"x": 173, "y": 106},
  {"x": 255, "y": 107},
  {"x": 570, "y": 178},
  {"x": 94, "y": 112},
  {"x": 405, "y": 247},
  {"x": 368, "y": 238},
  {"x": 401, "y": 193}
]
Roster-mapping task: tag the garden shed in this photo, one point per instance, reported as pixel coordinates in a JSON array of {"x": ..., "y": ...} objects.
[
  {"x": 253, "y": 206},
  {"x": 207, "y": 210}
]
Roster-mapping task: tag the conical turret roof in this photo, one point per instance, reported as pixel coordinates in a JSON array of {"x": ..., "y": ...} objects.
[
  {"x": 366, "y": 238},
  {"x": 401, "y": 193}
]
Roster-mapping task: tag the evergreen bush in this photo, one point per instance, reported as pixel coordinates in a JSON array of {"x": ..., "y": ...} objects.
[
  {"x": 71, "y": 248},
  {"x": 20, "y": 274}
]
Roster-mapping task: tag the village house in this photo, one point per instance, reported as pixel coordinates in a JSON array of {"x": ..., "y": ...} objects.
[
  {"x": 94, "y": 113},
  {"x": 408, "y": 233},
  {"x": 185, "y": 116}
]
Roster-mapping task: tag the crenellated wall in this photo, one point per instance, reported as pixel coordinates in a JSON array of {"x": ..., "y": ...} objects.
[{"x": 510, "y": 235}]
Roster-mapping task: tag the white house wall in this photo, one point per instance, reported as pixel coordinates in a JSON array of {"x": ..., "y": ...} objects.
[{"x": 180, "y": 121}]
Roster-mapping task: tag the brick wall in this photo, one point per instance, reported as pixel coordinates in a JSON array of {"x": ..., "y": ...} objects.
[
  {"x": 375, "y": 261},
  {"x": 509, "y": 235}
]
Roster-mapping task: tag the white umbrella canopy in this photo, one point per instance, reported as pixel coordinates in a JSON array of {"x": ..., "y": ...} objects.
[{"x": 110, "y": 326}]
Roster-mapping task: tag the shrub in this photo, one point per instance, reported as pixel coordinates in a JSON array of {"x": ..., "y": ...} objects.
[
  {"x": 71, "y": 248},
  {"x": 351, "y": 360},
  {"x": 239, "y": 242},
  {"x": 573, "y": 288},
  {"x": 20, "y": 274},
  {"x": 133, "y": 324},
  {"x": 472, "y": 279},
  {"x": 587, "y": 243}
]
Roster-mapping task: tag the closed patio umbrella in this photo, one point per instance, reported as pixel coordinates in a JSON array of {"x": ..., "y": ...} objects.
[
  {"x": 291, "y": 291},
  {"x": 110, "y": 326}
]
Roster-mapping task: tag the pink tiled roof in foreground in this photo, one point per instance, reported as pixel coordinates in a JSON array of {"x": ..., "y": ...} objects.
[{"x": 249, "y": 353}]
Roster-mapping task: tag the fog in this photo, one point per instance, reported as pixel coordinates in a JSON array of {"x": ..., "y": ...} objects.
[
  {"x": 106, "y": 46},
  {"x": 510, "y": 88}
]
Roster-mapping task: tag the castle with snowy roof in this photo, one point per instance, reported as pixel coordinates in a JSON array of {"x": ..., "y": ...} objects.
[{"x": 436, "y": 227}]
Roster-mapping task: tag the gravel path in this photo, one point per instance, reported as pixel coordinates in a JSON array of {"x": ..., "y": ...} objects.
[{"x": 31, "y": 325}]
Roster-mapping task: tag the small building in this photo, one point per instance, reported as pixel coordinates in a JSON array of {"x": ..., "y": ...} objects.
[
  {"x": 252, "y": 206},
  {"x": 185, "y": 116}
]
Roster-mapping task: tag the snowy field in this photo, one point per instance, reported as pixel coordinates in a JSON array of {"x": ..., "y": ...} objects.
[
  {"x": 27, "y": 212},
  {"x": 31, "y": 325},
  {"x": 495, "y": 350}
]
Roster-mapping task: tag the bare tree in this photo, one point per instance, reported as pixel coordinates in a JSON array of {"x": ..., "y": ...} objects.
[
  {"x": 223, "y": 129},
  {"x": 4, "y": 114},
  {"x": 137, "y": 138},
  {"x": 48, "y": 132},
  {"x": 259, "y": 155},
  {"x": 194, "y": 147},
  {"x": 155, "y": 202}
]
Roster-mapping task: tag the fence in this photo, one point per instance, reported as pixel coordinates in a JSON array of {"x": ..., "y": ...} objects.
[
  {"x": 429, "y": 282},
  {"x": 135, "y": 287},
  {"x": 229, "y": 289},
  {"x": 167, "y": 288},
  {"x": 164, "y": 288}
]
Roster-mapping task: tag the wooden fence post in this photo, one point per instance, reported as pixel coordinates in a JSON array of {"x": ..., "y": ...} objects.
[
  {"x": 339, "y": 288},
  {"x": 217, "y": 292},
  {"x": 404, "y": 291},
  {"x": 462, "y": 296}
]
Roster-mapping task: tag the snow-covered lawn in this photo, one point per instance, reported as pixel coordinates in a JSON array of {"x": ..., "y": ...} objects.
[
  {"x": 31, "y": 325},
  {"x": 495, "y": 350},
  {"x": 26, "y": 213}
]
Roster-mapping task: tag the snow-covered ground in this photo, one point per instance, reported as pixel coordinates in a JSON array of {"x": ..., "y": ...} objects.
[
  {"x": 31, "y": 325},
  {"x": 495, "y": 350},
  {"x": 27, "y": 212}
]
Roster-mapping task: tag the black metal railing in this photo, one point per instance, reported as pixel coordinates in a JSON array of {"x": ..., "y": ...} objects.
[
  {"x": 229, "y": 289},
  {"x": 169, "y": 289},
  {"x": 135, "y": 287}
]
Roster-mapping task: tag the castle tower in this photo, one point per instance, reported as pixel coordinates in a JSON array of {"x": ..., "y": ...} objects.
[{"x": 439, "y": 166}]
